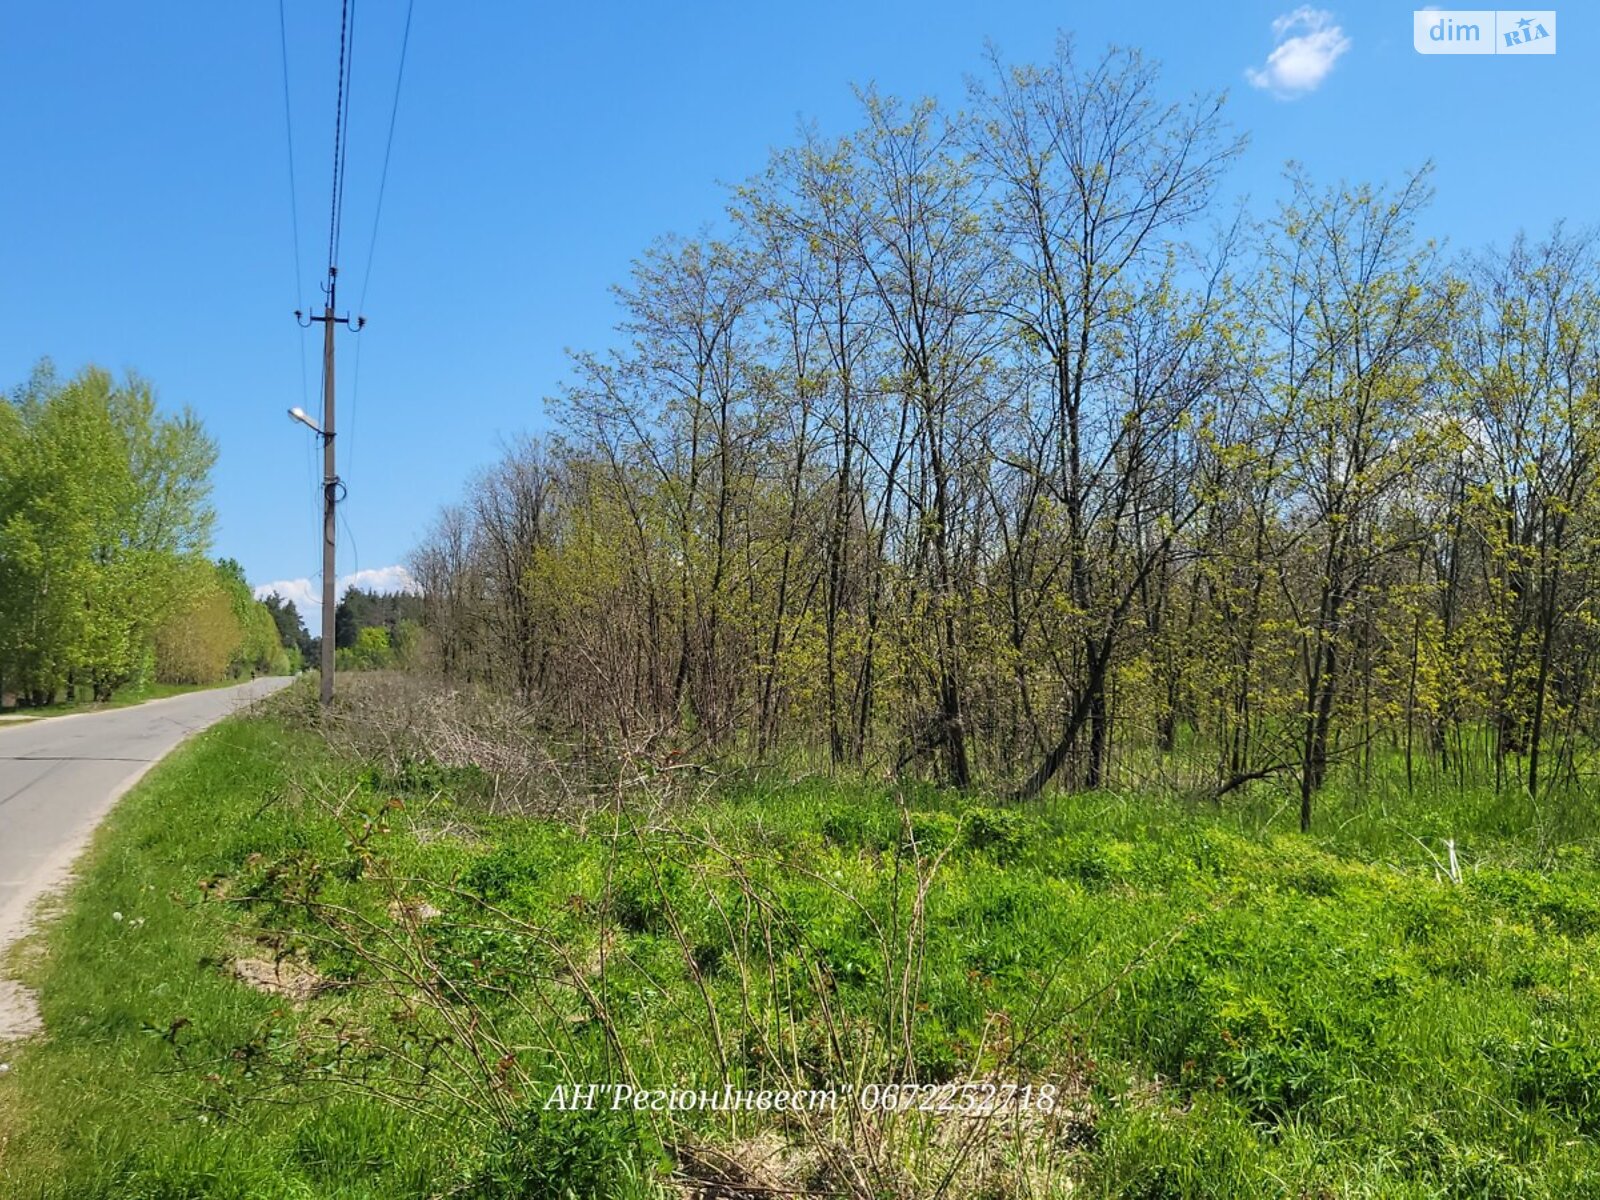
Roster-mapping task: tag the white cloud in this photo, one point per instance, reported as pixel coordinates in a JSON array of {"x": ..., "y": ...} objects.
[
  {"x": 384, "y": 580},
  {"x": 307, "y": 593},
  {"x": 302, "y": 591},
  {"x": 1308, "y": 44}
]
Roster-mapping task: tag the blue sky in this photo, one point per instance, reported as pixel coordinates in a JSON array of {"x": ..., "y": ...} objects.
[{"x": 539, "y": 148}]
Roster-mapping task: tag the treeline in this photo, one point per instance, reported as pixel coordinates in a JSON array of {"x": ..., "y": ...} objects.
[
  {"x": 104, "y": 530},
  {"x": 371, "y": 630},
  {"x": 376, "y": 630},
  {"x": 986, "y": 445}
]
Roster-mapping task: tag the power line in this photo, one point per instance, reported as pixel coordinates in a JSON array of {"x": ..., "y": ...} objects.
[
  {"x": 294, "y": 225},
  {"x": 388, "y": 147},
  {"x": 341, "y": 122},
  {"x": 288, "y": 129},
  {"x": 355, "y": 396},
  {"x": 355, "y": 550},
  {"x": 377, "y": 217},
  {"x": 333, "y": 489},
  {"x": 332, "y": 486},
  {"x": 313, "y": 486},
  {"x": 349, "y": 100}
]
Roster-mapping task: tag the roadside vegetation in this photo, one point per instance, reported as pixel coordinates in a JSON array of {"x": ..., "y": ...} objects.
[
  {"x": 123, "y": 697},
  {"x": 993, "y": 620},
  {"x": 106, "y": 590},
  {"x": 376, "y": 631},
  {"x": 355, "y": 959},
  {"x": 984, "y": 446}
]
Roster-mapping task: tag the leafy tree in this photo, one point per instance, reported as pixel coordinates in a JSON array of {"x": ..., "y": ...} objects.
[
  {"x": 974, "y": 452},
  {"x": 1359, "y": 308},
  {"x": 218, "y": 630},
  {"x": 292, "y": 632},
  {"x": 371, "y": 652},
  {"x": 201, "y": 636},
  {"x": 103, "y": 501}
]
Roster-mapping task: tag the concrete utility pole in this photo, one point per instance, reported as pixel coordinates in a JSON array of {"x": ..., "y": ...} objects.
[
  {"x": 330, "y": 480},
  {"x": 331, "y": 487}
]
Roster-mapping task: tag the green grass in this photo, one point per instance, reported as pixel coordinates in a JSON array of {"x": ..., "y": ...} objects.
[
  {"x": 133, "y": 994},
  {"x": 137, "y": 693},
  {"x": 1239, "y": 1010}
]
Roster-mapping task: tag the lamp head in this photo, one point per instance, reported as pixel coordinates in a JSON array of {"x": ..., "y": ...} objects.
[{"x": 299, "y": 414}]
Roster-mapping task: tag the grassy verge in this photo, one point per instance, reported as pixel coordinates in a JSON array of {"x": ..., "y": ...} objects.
[
  {"x": 135, "y": 995},
  {"x": 121, "y": 698},
  {"x": 1223, "y": 1010}
]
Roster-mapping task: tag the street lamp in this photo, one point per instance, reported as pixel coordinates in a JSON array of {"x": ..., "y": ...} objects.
[{"x": 299, "y": 414}]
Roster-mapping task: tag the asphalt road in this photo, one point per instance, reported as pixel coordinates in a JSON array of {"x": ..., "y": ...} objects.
[{"x": 60, "y": 775}]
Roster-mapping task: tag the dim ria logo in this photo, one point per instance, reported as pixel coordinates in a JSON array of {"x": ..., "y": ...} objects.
[{"x": 1483, "y": 31}]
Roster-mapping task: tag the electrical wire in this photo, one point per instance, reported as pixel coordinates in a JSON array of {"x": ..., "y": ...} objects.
[
  {"x": 341, "y": 149},
  {"x": 388, "y": 148},
  {"x": 344, "y": 155},
  {"x": 355, "y": 550},
  {"x": 288, "y": 130},
  {"x": 355, "y": 396},
  {"x": 294, "y": 225},
  {"x": 377, "y": 217},
  {"x": 341, "y": 120}
]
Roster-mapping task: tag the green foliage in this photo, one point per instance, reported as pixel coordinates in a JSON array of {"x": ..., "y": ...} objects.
[
  {"x": 1559, "y": 1068},
  {"x": 860, "y": 827},
  {"x": 424, "y": 777},
  {"x": 931, "y": 833},
  {"x": 360, "y": 610},
  {"x": 291, "y": 628},
  {"x": 999, "y": 832},
  {"x": 642, "y": 892},
  {"x": 217, "y": 630},
  {"x": 1363, "y": 514},
  {"x": 200, "y": 638},
  {"x": 103, "y": 507},
  {"x": 370, "y": 652},
  {"x": 104, "y": 522},
  {"x": 554, "y": 1155},
  {"x": 1243, "y": 1012},
  {"x": 406, "y": 641}
]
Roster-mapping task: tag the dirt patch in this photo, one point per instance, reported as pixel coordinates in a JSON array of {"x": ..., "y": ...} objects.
[
  {"x": 754, "y": 1168},
  {"x": 1013, "y": 1147},
  {"x": 591, "y": 964},
  {"x": 19, "y": 1012},
  {"x": 448, "y": 831},
  {"x": 412, "y": 912},
  {"x": 20, "y": 947},
  {"x": 288, "y": 978}
]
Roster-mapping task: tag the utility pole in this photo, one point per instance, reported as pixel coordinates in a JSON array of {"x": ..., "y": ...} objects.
[
  {"x": 331, "y": 486},
  {"x": 330, "y": 479}
]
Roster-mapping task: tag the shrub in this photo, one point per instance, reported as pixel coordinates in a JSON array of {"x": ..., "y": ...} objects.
[
  {"x": 640, "y": 896},
  {"x": 858, "y": 827},
  {"x": 1000, "y": 832},
  {"x": 557, "y": 1155},
  {"x": 932, "y": 832}
]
